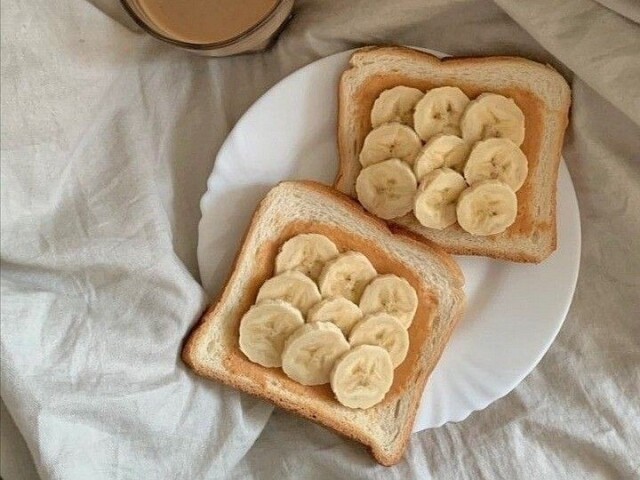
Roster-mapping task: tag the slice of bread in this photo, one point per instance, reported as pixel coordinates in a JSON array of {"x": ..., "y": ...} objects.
[
  {"x": 541, "y": 93},
  {"x": 292, "y": 208}
]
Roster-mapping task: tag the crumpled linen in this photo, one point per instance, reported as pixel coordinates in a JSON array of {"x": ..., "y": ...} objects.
[{"x": 107, "y": 140}]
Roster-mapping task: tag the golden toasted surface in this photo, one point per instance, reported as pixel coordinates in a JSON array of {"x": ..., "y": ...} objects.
[
  {"x": 532, "y": 237},
  {"x": 212, "y": 348}
]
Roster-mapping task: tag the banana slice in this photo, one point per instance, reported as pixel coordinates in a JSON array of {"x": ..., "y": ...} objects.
[
  {"x": 439, "y": 111},
  {"x": 391, "y": 140},
  {"x": 292, "y": 287},
  {"x": 341, "y": 312},
  {"x": 346, "y": 276},
  {"x": 435, "y": 204},
  {"x": 493, "y": 116},
  {"x": 362, "y": 376},
  {"x": 387, "y": 189},
  {"x": 395, "y": 105},
  {"x": 385, "y": 331},
  {"x": 487, "y": 208},
  {"x": 264, "y": 329},
  {"x": 497, "y": 159},
  {"x": 392, "y": 295},
  {"x": 441, "y": 151},
  {"x": 306, "y": 253},
  {"x": 311, "y": 351}
]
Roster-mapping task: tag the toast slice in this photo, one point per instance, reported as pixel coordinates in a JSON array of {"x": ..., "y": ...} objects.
[
  {"x": 541, "y": 93},
  {"x": 292, "y": 208}
]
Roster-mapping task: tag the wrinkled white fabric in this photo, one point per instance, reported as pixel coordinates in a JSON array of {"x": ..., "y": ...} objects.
[{"x": 107, "y": 141}]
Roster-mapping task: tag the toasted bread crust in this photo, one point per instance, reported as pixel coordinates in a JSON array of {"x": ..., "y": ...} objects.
[
  {"x": 233, "y": 369},
  {"x": 533, "y": 236}
]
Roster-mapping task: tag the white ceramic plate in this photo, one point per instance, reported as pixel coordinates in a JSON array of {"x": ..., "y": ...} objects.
[{"x": 514, "y": 311}]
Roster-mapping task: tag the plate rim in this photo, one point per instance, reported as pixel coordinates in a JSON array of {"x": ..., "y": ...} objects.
[{"x": 573, "y": 198}]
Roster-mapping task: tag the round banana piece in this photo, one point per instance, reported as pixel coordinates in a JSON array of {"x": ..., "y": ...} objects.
[
  {"x": 264, "y": 329},
  {"x": 311, "y": 351},
  {"x": 391, "y": 140},
  {"x": 439, "y": 111},
  {"x": 435, "y": 204},
  {"x": 493, "y": 116},
  {"x": 497, "y": 159},
  {"x": 343, "y": 313},
  {"x": 487, "y": 208},
  {"x": 292, "y": 287},
  {"x": 392, "y": 295},
  {"x": 441, "y": 151},
  {"x": 306, "y": 253},
  {"x": 362, "y": 376},
  {"x": 385, "y": 331},
  {"x": 395, "y": 105},
  {"x": 346, "y": 276},
  {"x": 387, "y": 189}
]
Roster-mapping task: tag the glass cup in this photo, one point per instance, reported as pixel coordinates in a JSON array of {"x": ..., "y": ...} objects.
[{"x": 253, "y": 38}]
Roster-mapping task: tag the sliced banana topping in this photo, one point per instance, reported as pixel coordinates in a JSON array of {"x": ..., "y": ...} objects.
[
  {"x": 441, "y": 151},
  {"x": 395, "y": 105},
  {"x": 306, "y": 253},
  {"x": 392, "y": 295},
  {"x": 493, "y": 116},
  {"x": 479, "y": 139},
  {"x": 341, "y": 312},
  {"x": 362, "y": 377},
  {"x": 273, "y": 332},
  {"x": 497, "y": 159},
  {"x": 385, "y": 331},
  {"x": 346, "y": 276},
  {"x": 439, "y": 111},
  {"x": 264, "y": 329},
  {"x": 435, "y": 204},
  {"x": 487, "y": 208},
  {"x": 311, "y": 351},
  {"x": 292, "y": 287},
  {"x": 391, "y": 140},
  {"x": 387, "y": 189}
]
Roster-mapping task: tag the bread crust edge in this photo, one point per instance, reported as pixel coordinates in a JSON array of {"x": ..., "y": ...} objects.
[
  {"x": 514, "y": 254},
  {"x": 197, "y": 339}
]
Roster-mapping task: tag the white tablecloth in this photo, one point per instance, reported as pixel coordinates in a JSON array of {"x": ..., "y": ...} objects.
[{"x": 107, "y": 140}]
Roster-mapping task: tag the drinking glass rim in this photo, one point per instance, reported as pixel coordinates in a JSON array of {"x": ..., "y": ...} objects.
[{"x": 198, "y": 46}]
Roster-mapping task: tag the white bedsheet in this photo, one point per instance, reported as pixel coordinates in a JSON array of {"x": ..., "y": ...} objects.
[{"x": 107, "y": 140}]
